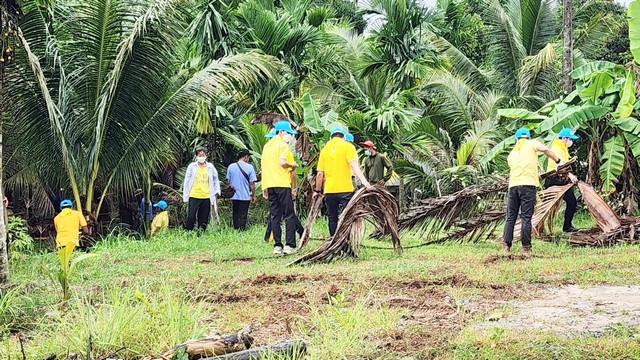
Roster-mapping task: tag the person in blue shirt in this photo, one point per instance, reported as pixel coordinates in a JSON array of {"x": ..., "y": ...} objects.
[{"x": 242, "y": 178}]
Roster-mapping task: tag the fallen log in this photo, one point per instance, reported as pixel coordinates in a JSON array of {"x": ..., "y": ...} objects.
[
  {"x": 288, "y": 349},
  {"x": 215, "y": 345}
]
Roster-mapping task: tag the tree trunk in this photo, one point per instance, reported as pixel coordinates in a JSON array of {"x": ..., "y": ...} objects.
[
  {"x": 4, "y": 258},
  {"x": 567, "y": 35}
]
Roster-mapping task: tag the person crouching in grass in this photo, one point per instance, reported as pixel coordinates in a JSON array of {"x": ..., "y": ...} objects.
[
  {"x": 67, "y": 225},
  {"x": 161, "y": 220}
]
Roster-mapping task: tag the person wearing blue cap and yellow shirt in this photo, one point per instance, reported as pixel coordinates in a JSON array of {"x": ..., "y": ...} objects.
[
  {"x": 161, "y": 219},
  {"x": 277, "y": 165},
  {"x": 67, "y": 225},
  {"x": 268, "y": 235},
  {"x": 560, "y": 147},
  {"x": 523, "y": 184},
  {"x": 338, "y": 159}
]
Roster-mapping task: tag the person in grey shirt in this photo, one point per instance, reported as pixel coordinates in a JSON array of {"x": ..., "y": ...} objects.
[{"x": 242, "y": 177}]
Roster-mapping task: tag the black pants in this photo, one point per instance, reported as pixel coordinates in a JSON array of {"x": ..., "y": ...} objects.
[
  {"x": 199, "y": 209},
  {"x": 299, "y": 227},
  {"x": 335, "y": 204},
  {"x": 569, "y": 198},
  {"x": 522, "y": 199},
  {"x": 281, "y": 206},
  {"x": 240, "y": 212}
]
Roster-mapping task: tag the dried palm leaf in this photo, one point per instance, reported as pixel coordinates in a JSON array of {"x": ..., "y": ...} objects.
[
  {"x": 312, "y": 216},
  {"x": 548, "y": 199},
  {"x": 376, "y": 205},
  {"x": 627, "y": 232},
  {"x": 605, "y": 217},
  {"x": 435, "y": 217}
]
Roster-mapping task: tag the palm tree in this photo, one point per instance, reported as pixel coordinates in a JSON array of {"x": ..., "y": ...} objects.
[
  {"x": 9, "y": 14},
  {"x": 102, "y": 89}
]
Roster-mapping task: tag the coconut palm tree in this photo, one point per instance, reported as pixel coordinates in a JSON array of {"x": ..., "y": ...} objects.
[{"x": 102, "y": 89}]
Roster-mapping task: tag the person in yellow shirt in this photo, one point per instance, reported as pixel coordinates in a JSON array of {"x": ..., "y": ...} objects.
[
  {"x": 200, "y": 189},
  {"x": 67, "y": 224},
  {"x": 338, "y": 160},
  {"x": 161, "y": 220},
  {"x": 523, "y": 184},
  {"x": 560, "y": 147},
  {"x": 277, "y": 166}
]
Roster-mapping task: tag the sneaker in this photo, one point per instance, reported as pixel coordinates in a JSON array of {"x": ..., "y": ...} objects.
[
  {"x": 506, "y": 248},
  {"x": 277, "y": 250},
  {"x": 288, "y": 250},
  {"x": 570, "y": 230}
]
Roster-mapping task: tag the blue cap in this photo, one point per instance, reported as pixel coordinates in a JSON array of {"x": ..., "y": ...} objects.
[
  {"x": 568, "y": 133},
  {"x": 339, "y": 130},
  {"x": 349, "y": 137},
  {"x": 271, "y": 134},
  {"x": 66, "y": 203},
  {"x": 523, "y": 133},
  {"x": 161, "y": 204},
  {"x": 286, "y": 126}
]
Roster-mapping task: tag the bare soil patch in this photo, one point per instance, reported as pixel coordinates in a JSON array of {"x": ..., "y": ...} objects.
[
  {"x": 574, "y": 310},
  {"x": 508, "y": 257}
]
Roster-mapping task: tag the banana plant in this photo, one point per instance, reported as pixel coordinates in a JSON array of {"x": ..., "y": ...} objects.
[{"x": 603, "y": 108}]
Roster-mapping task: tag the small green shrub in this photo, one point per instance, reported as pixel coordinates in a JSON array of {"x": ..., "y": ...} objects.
[{"x": 20, "y": 241}]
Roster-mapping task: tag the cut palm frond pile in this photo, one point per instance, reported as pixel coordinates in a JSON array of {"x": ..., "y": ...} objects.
[
  {"x": 312, "y": 216},
  {"x": 471, "y": 214},
  {"x": 376, "y": 205}
]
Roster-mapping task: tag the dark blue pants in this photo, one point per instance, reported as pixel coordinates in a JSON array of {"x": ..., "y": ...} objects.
[
  {"x": 522, "y": 199},
  {"x": 335, "y": 204}
]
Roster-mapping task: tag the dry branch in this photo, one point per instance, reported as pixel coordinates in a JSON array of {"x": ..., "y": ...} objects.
[{"x": 376, "y": 205}]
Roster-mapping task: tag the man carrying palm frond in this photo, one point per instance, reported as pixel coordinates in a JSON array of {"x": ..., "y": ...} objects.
[
  {"x": 523, "y": 184},
  {"x": 338, "y": 159},
  {"x": 560, "y": 147}
]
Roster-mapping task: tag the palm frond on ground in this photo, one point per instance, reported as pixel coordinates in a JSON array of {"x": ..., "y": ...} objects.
[{"x": 376, "y": 205}]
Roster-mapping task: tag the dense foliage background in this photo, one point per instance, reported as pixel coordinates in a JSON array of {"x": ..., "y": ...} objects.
[{"x": 104, "y": 100}]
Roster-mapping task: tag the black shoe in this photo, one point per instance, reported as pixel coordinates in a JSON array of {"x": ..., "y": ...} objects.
[{"x": 570, "y": 230}]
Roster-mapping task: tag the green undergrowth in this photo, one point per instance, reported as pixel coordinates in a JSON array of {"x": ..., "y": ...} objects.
[{"x": 140, "y": 297}]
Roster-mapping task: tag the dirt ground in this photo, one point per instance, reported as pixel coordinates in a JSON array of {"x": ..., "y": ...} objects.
[{"x": 571, "y": 310}]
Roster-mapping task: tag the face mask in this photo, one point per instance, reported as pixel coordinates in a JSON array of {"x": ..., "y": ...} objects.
[
  {"x": 569, "y": 143},
  {"x": 367, "y": 152},
  {"x": 287, "y": 137},
  {"x": 202, "y": 159}
]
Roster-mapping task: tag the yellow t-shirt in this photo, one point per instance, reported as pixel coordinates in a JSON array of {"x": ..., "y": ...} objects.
[
  {"x": 335, "y": 159},
  {"x": 523, "y": 162},
  {"x": 560, "y": 149},
  {"x": 273, "y": 174},
  {"x": 160, "y": 222},
  {"x": 200, "y": 188},
  {"x": 67, "y": 224}
]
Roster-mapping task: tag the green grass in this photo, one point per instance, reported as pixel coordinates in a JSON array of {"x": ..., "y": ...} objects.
[{"x": 142, "y": 297}]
